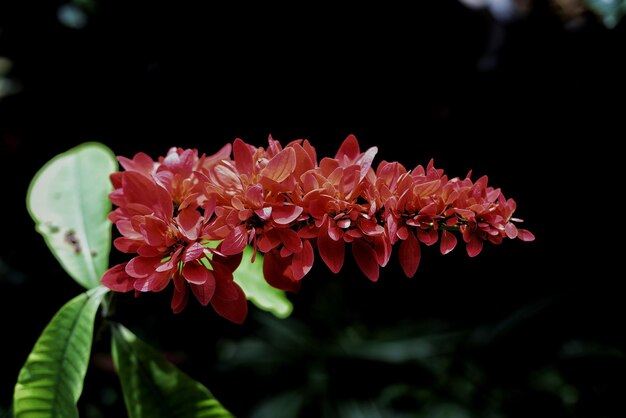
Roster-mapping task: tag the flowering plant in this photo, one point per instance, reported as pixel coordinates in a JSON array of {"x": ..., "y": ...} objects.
[{"x": 244, "y": 223}]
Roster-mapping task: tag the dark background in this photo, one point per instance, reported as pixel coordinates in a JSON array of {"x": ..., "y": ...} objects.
[{"x": 525, "y": 329}]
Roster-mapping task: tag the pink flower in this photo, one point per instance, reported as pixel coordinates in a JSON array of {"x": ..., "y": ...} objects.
[
  {"x": 258, "y": 199},
  {"x": 423, "y": 203},
  {"x": 285, "y": 204},
  {"x": 340, "y": 198},
  {"x": 169, "y": 247}
]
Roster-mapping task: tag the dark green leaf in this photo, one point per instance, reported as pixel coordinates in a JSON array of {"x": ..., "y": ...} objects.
[
  {"x": 446, "y": 410},
  {"x": 68, "y": 200},
  {"x": 153, "y": 387},
  {"x": 287, "y": 404},
  {"x": 51, "y": 381}
]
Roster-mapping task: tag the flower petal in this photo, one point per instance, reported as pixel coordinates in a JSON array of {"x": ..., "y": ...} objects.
[
  {"x": 193, "y": 252},
  {"x": 304, "y": 162},
  {"x": 370, "y": 226},
  {"x": 254, "y": 195},
  {"x": 223, "y": 176},
  {"x": 268, "y": 241},
  {"x": 280, "y": 166},
  {"x": 125, "y": 226},
  {"x": 189, "y": 221},
  {"x": 302, "y": 262},
  {"x": 365, "y": 162},
  {"x": 525, "y": 235},
  {"x": 331, "y": 251},
  {"x": 234, "y": 310},
  {"x": 141, "y": 162},
  {"x": 180, "y": 296},
  {"x": 428, "y": 237},
  {"x": 117, "y": 279},
  {"x": 204, "y": 292},
  {"x": 149, "y": 251},
  {"x": 382, "y": 248},
  {"x": 286, "y": 214},
  {"x": 474, "y": 246},
  {"x": 139, "y": 189},
  {"x": 264, "y": 213},
  {"x": 230, "y": 262},
  {"x": 167, "y": 265},
  {"x": 334, "y": 232},
  {"x": 140, "y": 267},
  {"x": 278, "y": 273},
  {"x": 402, "y": 233},
  {"x": 290, "y": 239},
  {"x": 511, "y": 230},
  {"x": 410, "y": 254},
  {"x": 127, "y": 245},
  {"x": 223, "y": 279},
  {"x": 448, "y": 242},
  {"x": 196, "y": 273},
  {"x": 155, "y": 282},
  {"x": 349, "y": 149},
  {"x": 242, "y": 155},
  {"x": 366, "y": 259},
  {"x": 235, "y": 242},
  {"x": 154, "y": 231}
]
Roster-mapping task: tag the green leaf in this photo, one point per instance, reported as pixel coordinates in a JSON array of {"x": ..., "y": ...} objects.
[
  {"x": 68, "y": 200},
  {"x": 51, "y": 380},
  {"x": 250, "y": 277},
  {"x": 153, "y": 387}
]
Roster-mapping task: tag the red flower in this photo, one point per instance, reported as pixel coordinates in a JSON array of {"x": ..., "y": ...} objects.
[
  {"x": 422, "y": 203},
  {"x": 258, "y": 203},
  {"x": 169, "y": 247},
  {"x": 340, "y": 198},
  {"x": 284, "y": 203}
]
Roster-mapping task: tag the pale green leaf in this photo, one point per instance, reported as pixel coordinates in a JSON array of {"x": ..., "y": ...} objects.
[
  {"x": 51, "y": 380},
  {"x": 250, "y": 277},
  {"x": 153, "y": 387},
  {"x": 68, "y": 200}
]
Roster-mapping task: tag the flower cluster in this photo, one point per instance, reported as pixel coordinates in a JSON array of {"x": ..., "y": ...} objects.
[{"x": 287, "y": 205}]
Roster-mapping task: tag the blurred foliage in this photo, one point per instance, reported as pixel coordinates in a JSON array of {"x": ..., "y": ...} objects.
[
  {"x": 610, "y": 11},
  {"x": 7, "y": 85},
  {"x": 572, "y": 11},
  {"x": 5, "y": 413},
  {"x": 417, "y": 369},
  {"x": 76, "y": 13}
]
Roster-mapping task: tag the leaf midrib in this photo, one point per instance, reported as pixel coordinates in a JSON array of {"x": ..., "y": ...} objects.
[
  {"x": 86, "y": 253},
  {"x": 60, "y": 381}
]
